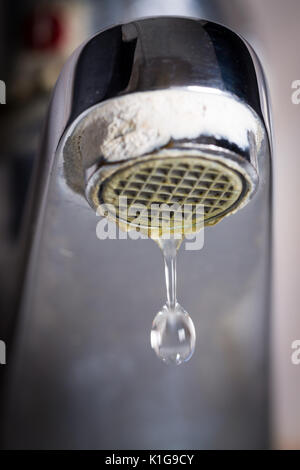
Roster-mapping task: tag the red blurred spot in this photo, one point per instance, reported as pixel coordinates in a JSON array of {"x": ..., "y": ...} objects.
[{"x": 43, "y": 30}]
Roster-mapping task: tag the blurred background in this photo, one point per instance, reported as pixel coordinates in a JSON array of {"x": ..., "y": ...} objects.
[{"x": 36, "y": 37}]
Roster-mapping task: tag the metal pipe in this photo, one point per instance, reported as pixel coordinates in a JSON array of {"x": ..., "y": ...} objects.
[{"x": 80, "y": 350}]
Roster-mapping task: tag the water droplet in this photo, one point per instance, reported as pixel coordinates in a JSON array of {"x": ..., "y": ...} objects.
[{"x": 173, "y": 335}]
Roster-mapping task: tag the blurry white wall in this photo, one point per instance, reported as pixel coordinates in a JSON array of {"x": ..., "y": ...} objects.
[{"x": 272, "y": 27}]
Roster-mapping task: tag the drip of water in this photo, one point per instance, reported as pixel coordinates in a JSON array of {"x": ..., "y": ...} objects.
[{"x": 173, "y": 334}]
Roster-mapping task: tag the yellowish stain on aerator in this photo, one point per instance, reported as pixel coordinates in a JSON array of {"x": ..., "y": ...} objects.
[{"x": 186, "y": 181}]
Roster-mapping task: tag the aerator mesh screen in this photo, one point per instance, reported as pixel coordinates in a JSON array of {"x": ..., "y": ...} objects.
[{"x": 182, "y": 180}]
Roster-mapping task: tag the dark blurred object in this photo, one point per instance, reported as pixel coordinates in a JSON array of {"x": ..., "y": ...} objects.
[
  {"x": 44, "y": 29},
  {"x": 36, "y": 39}
]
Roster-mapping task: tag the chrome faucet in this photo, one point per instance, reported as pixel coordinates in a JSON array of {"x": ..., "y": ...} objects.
[{"x": 164, "y": 90}]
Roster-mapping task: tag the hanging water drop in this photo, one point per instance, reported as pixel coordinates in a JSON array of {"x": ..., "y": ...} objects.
[{"x": 173, "y": 334}]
